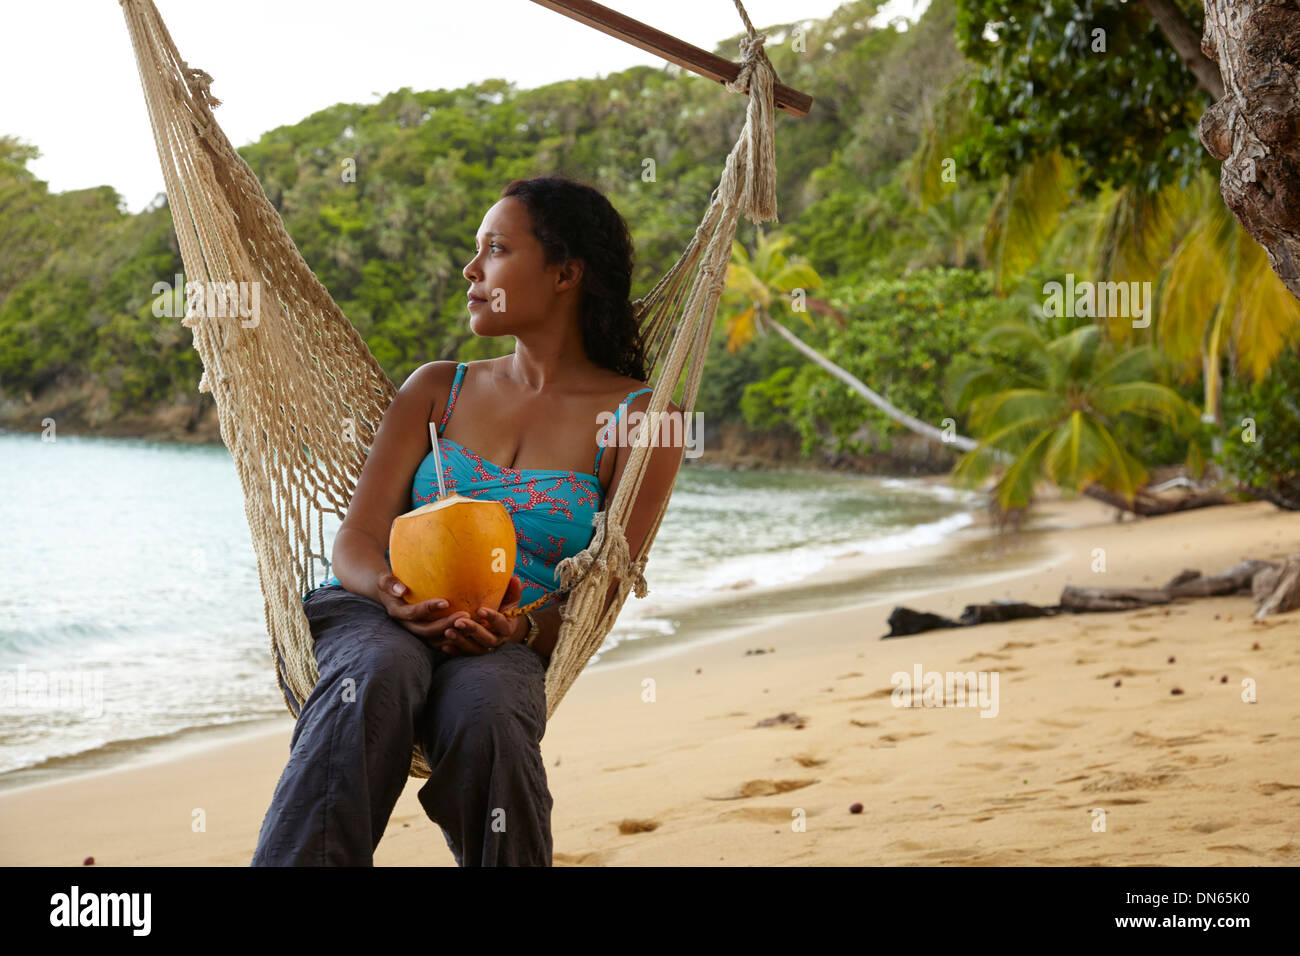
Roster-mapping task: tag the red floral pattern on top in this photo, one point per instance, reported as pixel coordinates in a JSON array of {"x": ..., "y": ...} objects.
[{"x": 552, "y": 510}]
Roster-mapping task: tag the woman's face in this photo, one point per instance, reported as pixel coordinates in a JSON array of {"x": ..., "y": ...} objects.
[{"x": 518, "y": 290}]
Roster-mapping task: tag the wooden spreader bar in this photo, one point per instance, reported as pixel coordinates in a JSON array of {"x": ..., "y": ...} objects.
[{"x": 670, "y": 48}]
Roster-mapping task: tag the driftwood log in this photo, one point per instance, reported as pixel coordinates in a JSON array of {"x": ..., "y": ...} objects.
[
  {"x": 1149, "y": 504},
  {"x": 1285, "y": 595},
  {"x": 1274, "y": 587}
]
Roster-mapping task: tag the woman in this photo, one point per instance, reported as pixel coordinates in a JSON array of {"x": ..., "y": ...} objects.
[{"x": 552, "y": 267}]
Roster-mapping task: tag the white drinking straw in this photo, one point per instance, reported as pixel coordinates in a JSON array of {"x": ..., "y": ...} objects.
[{"x": 437, "y": 459}]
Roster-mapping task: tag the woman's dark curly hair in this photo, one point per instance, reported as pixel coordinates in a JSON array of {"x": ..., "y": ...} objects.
[{"x": 574, "y": 220}]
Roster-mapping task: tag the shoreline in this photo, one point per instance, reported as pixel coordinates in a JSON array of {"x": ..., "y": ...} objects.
[
  {"x": 692, "y": 779},
  {"x": 699, "y": 622},
  {"x": 773, "y": 455}
]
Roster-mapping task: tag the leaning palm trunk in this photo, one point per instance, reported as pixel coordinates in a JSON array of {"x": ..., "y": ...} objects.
[{"x": 908, "y": 421}]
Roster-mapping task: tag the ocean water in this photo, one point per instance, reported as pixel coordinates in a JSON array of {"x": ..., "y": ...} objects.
[{"x": 130, "y": 609}]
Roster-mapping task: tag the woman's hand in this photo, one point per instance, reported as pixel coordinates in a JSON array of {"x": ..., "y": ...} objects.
[
  {"x": 426, "y": 620},
  {"x": 492, "y": 629}
]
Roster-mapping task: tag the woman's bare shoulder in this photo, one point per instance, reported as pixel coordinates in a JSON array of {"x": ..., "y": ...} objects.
[
  {"x": 640, "y": 402},
  {"x": 432, "y": 380}
]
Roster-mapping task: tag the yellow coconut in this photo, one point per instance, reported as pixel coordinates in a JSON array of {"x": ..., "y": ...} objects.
[{"x": 460, "y": 549}]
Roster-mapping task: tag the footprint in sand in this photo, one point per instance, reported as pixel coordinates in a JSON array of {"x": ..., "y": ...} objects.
[
  {"x": 1268, "y": 789},
  {"x": 591, "y": 858},
  {"x": 1115, "y": 782},
  {"x": 848, "y": 675},
  {"x": 898, "y": 737},
  {"x": 808, "y": 760},
  {"x": 951, "y": 854},
  {"x": 1122, "y": 672},
  {"x": 629, "y": 825},
  {"x": 1236, "y": 848},
  {"x": 1151, "y": 740},
  {"x": 864, "y": 723},
  {"x": 777, "y": 815},
  {"x": 1212, "y": 826},
  {"x": 763, "y": 788},
  {"x": 910, "y": 846},
  {"x": 626, "y": 766},
  {"x": 1189, "y": 760},
  {"x": 1008, "y": 744},
  {"x": 1012, "y": 645}
]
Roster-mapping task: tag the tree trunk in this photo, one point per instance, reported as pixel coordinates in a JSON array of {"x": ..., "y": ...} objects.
[
  {"x": 1147, "y": 504},
  {"x": 1180, "y": 33},
  {"x": 1286, "y": 592},
  {"x": 1238, "y": 579},
  {"x": 1111, "y": 599},
  {"x": 1275, "y": 587},
  {"x": 1282, "y": 496},
  {"x": 1254, "y": 127}
]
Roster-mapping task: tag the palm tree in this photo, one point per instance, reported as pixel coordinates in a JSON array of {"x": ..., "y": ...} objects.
[
  {"x": 1219, "y": 295},
  {"x": 759, "y": 283},
  {"x": 1053, "y": 413},
  {"x": 1214, "y": 287},
  {"x": 950, "y": 229}
]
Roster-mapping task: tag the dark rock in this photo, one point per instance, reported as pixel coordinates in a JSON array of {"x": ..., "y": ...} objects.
[{"x": 904, "y": 621}]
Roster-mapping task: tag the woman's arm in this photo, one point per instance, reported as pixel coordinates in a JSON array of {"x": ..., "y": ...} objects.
[{"x": 384, "y": 488}]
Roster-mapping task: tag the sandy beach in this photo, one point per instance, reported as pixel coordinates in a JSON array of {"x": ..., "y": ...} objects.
[{"x": 1111, "y": 739}]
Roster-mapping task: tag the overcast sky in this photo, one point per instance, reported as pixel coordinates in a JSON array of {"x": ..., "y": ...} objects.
[{"x": 69, "y": 84}]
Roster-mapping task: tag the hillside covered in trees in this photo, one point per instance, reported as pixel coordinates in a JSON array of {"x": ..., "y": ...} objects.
[{"x": 947, "y": 173}]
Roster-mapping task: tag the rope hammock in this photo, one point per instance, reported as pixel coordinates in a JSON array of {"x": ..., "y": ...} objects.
[{"x": 299, "y": 396}]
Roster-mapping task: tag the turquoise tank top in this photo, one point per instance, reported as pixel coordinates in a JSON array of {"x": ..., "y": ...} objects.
[{"x": 552, "y": 510}]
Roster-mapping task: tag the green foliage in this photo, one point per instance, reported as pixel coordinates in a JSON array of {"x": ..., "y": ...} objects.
[
  {"x": 1128, "y": 114},
  {"x": 383, "y": 201},
  {"x": 899, "y": 337},
  {"x": 766, "y": 404},
  {"x": 1054, "y": 413},
  {"x": 1270, "y": 463},
  {"x": 728, "y": 375}
]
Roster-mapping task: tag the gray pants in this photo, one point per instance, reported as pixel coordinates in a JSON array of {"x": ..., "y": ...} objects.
[{"x": 478, "y": 719}]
